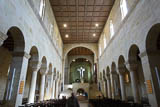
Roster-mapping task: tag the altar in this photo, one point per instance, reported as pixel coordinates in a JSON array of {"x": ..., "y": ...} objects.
[{"x": 80, "y": 86}]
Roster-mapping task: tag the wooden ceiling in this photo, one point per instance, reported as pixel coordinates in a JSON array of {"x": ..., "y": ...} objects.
[
  {"x": 80, "y": 51},
  {"x": 81, "y": 17}
]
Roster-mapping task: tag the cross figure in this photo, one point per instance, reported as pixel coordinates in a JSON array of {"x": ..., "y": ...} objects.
[{"x": 81, "y": 71}]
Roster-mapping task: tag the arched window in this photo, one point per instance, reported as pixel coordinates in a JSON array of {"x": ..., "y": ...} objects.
[
  {"x": 104, "y": 41},
  {"x": 111, "y": 28},
  {"x": 100, "y": 50},
  {"x": 51, "y": 29},
  {"x": 124, "y": 10},
  {"x": 42, "y": 9}
]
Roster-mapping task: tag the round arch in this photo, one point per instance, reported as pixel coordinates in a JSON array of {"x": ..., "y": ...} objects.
[
  {"x": 153, "y": 53},
  {"x": 68, "y": 48}
]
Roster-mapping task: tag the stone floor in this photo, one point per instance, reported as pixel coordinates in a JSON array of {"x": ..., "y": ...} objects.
[{"x": 83, "y": 103}]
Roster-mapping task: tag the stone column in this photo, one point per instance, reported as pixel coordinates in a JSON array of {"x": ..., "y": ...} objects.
[
  {"x": 106, "y": 86},
  {"x": 53, "y": 89},
  {"x": 112, "y": 85},
  {"x": 109, "y": 86},
  {"x": 3, "y": 37},
  {"x": 47, "y": 87},
  {"x": 103, "y": 85},
  {"x": 51, "y": 85},
  {"x": 42, "y": 85},
  {"x": 121, "y": 72},
  {"x": 16, "y": 79},
  {"x": 35, "y": 68},
  {"x": 155, "y": 96},
  {"x": 132, "y": 69},
  {"x": 57, "y": 88}
]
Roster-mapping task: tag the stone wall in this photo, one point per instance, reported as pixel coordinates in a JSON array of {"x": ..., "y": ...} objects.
[
  {"x": 20, "y": 14},
  {"x": 132, "y": 30}
]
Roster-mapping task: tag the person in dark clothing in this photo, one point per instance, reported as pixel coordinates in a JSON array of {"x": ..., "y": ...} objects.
[{"x": 72, "y": 101}]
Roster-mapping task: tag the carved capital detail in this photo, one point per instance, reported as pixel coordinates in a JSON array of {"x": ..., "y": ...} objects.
[
  {"x": 35, "y": 65},
  {"x": 131, "y": 66},
  {"x": 142, "y": 54}
]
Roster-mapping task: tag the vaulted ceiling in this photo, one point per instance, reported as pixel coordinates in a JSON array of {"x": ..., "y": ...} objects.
[{"x": 80, "y": 16}]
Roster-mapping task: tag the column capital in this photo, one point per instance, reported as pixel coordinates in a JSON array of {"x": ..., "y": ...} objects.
[
  {"x": 3, "y": 37},
  {"x": 113, "y": 72},
  {"x": 132, "y": 66},
  {"x": 121, "y": 69},
  {"x": 50, "y": 72},
  {"x": 142, "y": 54},
  {"x": 35, "y": 65},
  {"x": 108, "y": 77},
  {"x": 43, "y": 69}
]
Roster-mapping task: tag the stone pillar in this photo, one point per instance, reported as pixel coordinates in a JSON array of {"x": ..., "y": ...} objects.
[
  {"x": 155, "y": 96},
  {"x": 123, "y": 93},
  {"x": 47, "y": 87},
  {"x": 112, "y": 85},
  {"x": 104, "y": 86},
  {"x": 42, "y": 85},
  {"x": 16, "y": 79},
  {"x": 109, "y": 86},
  {"x": 3, "y": 37},
  {"x": 35, "y": 68},
  {"x": 51, "y": 85},
  {"x": 132, "y": 69},
  {"x": 121, "y": 71},
  {"x": 57, "y": 88},
  {"x": 53, "y": 89}
]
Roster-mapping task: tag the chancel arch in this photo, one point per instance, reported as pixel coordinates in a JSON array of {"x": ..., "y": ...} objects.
[
  {"x": 91, "y": 47},
  {"x": 82, "y": 56}
]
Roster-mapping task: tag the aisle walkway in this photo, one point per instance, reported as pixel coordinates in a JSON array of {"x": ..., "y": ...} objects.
[{"x": 83, "y": 103}]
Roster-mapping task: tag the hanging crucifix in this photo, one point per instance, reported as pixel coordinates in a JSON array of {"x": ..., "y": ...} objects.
[{"x": 81, "y": 71}]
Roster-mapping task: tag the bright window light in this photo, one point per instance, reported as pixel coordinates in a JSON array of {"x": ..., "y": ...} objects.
[
  {"x": 111, "y": 28},
  {"x": 42, "y": 8},
  {"x": 100, "y": 50},
  {"x": 51, "y": 29},
  {"x": 124, "y": 10},
  {"x": 104, "y": 40}
]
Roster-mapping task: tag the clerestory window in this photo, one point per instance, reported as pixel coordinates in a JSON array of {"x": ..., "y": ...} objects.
[
  {"x": 124, "y": 10},
  {"x": 111, "y": 28},
  {"x": 104, "y": 40},
  {"x": 42, "y": 9}
]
